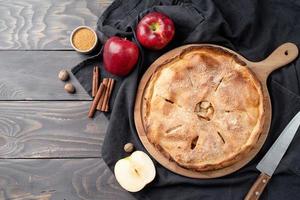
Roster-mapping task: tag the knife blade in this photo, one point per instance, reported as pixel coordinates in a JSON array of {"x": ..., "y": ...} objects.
[{"x": 271, "y": 160}]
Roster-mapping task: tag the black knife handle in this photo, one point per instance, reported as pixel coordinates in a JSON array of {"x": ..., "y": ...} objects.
[{"x": 258, "y": 187}]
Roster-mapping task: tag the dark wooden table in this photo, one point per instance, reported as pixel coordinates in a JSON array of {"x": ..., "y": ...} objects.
[{"x": 49, "y": 149}]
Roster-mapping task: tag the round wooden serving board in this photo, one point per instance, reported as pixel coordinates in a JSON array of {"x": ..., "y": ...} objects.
[{"x": 283, "y": 55}]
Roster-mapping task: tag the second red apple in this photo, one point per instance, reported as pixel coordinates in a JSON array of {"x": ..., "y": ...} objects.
[{"x": 155, "y": 30}]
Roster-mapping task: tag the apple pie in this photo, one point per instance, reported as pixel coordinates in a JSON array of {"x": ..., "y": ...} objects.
[{"x": 203, "y": 108}]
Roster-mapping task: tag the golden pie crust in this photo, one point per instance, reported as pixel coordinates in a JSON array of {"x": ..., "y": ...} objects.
[{"x": 203, "y": 109}]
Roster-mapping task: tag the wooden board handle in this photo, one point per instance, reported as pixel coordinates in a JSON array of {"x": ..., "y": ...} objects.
[
  {"x": 258, "y": 187},
  {"x": 281, "y": 56}
]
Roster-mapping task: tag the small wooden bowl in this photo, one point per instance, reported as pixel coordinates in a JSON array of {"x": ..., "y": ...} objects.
[{"x": 79, "y": 50}]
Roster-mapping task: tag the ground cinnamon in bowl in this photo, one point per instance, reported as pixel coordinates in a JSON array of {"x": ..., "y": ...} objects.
[{"x": 83, "y": 39}]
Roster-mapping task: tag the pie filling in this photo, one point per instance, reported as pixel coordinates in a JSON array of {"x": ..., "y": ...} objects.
[{"x": 203, "y": 109}]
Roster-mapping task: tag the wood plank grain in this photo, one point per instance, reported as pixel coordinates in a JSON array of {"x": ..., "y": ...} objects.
[
  {"x": 47, "y": 24},
  {"x": 69, "y": 179},
  {"x": 32, "y": 75},
  {"x": 49, "y": 129}
]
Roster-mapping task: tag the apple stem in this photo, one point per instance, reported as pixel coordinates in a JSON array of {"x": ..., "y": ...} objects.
[{"x": 154, "y": 26}]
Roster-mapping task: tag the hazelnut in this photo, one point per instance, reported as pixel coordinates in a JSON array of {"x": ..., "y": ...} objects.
[
  {"x": 63, "y": 75},
  {"x": 128, "y": 147},
  {"x": 70, "y": 88}
]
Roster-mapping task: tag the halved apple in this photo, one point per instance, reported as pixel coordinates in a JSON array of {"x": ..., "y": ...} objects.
[{"x": 135, "y": 171}]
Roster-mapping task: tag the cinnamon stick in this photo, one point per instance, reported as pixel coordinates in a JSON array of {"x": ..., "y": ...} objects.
[
  {"x": 96, "y": 100},
  {"x": 106, "y": 96},
  {"x": 109, "y": 94},
  {"x": 105, "y": 83},
  {"x": 95, "y": 81}
]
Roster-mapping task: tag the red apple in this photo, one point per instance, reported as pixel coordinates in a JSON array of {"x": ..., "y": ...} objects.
[
  {"x": 155, "y": 30},
  {"x": 120, "y": 56}
]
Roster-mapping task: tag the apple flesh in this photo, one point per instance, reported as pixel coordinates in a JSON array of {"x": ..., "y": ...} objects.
[
  {"x": 155, "y": 30},
  {"x": 120, "y": 56},
  {"x": 133, "y": 173}
]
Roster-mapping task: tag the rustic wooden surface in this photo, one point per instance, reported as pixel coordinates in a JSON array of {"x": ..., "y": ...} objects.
[
  {"x": 32, "y": 75},
  {"x": 32, "y": 129},
  {"x": 58, "y": 179},
  {"x": 49, "y": 149},
  {"x": 46, "y": 24}
]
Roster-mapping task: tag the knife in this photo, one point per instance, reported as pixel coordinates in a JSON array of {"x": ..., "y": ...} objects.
[{"x": 272, "y": 158}]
